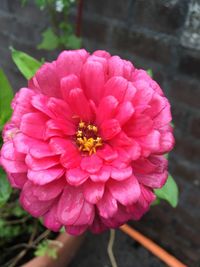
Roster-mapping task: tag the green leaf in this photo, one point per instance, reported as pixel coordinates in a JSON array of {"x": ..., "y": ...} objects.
[
  {"x": 5, "y": 188},
  {"x": 73, "y": 42},
  {"x": 50, "y": 40},
  {"x": 6, "y": 95},
  {"x": 172, "y": 124},
  {"x": 168, "y": 192},
  {"x": 155, "y": 202},
  {"x": 44, "y": 248},
  {"x": 41, "y": 3},
  {"x": 150, "y": 72},
  {"x": 26, "y": 64}
]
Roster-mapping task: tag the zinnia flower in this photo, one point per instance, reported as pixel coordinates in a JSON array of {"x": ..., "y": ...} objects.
[{"x": 86, "y": 142}]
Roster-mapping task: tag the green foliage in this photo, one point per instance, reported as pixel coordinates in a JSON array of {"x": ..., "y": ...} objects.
[
  {"x": 8, "y": 231},
  {"x": 5, "y": 188},
  {"x": 6, "y": 95},
  {"x": 60, "y": 33},
  {"x": 169, "y": 192},
  {"x": 72, "y": 41},
  {"x": 26, "y": 64},
  {"x": 50, "y": 41},
  {"x": 150, "y": 72},
  {"x": 45, "y": 248}
]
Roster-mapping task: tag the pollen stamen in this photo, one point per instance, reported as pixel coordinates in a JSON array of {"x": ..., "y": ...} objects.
[{"x": 87, "y": 138}]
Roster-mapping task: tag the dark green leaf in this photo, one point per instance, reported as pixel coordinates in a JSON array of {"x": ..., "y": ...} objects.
[
  {"x": 6, "y": 95},
  {"x": 5, "y": 188},
  {"x": 156, "y": 202},
  {"x": 50, "y": 40},
  {"x": 26, "y": 64},
  {"x": 168, "y": 192}
]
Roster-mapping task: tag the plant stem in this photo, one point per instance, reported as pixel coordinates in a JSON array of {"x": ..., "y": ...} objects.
[
  {"x": 110, "y": 248},
  {"x": 79, "y": 18}
]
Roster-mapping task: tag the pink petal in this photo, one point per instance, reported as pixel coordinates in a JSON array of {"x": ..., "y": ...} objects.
[
  {"x": 70, "y": 160},
  {"x": 116, "y": 66},
  {"x": 125, "y": 112},
  {"x": 46, "y": 80},
  {"x": 36, "y": 164},
  {"x": 149, "y": 143},
  {"x": 86, "y": 215},
  {"x": 65, "y": 127},
  {"x": 139, "y": 126},
  {"x": 76, "y": 230},
  {"x": 76, "y": 176},
  {"x": 24, "y": 143},
  {"x": 157, "y": 103},
  {"x": 60, "y": 145},
  {"x": 107, "y": 153},
  {"x": 39, "y": 102},
  {"x": 11, "y": 160},
  {"x": 70, "y": 205},
  {"x": 143, "y": 93},
  {"x": 93, "y": 192},
  {"x": 51, "y": 220},
  {"x": 67, "y": 84},
  {"x": 121, "y": 174},
  {"x": 17, "y": 180},
  {"x": 164, "y": 117},
  {"x": 102, "y": 53},
  {"x": 128, "y": 69},
  {"x": 116, "y": 86},
  {"x": 127, "y": 192},
  {"x": 91, "y": 164},
  {"x": 41, "y": 150},
  {"x": 154, "y": 173},
  {"x": 70, "y": 62},
  {"x": 107, "y": 206},
  {"x": 33, "y": 125},
  {"x": 9, "y": 152},
  {"x": 45, "y": 176},
  {"x": 130, "y": 92},
  {"x": 21, "y": 104},
  {"x": 121, "y": 140},
  {"x": 142, "y": 206},
  {"x": 48, "y": 191},
  {"x": 59, "y": 109},
  {"x": 79, "y": 104},
  {"x": 109, "y": 129},
  {"x": 93, "y": 79},
  {"x": 31, "y": 204},
  {"x": 134, "y": 151},
  {"x": 166, "y": 142},
  {"x": 106, "y": 109},
  {"x": 101, "y": 176}
]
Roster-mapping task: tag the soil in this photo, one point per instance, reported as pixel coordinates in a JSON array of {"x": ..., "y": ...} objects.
[{"x": 128, "y": 253}]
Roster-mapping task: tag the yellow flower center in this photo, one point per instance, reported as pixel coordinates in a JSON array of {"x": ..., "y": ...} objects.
[{"x": 87, "y": 138}]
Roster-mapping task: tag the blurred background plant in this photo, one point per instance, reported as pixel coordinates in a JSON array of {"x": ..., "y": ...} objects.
[{"x": 60, "y": 33}]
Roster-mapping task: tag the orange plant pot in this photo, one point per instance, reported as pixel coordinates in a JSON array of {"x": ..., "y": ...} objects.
[{"x": 66, "y": 252}]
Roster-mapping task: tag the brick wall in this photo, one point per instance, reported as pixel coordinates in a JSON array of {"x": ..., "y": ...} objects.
[
  {"x": 165, "y": 36},
  {"x": 158, "y": 34}
]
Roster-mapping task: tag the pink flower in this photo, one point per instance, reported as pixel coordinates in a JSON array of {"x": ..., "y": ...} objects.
[{"x": 86, "y": 141}]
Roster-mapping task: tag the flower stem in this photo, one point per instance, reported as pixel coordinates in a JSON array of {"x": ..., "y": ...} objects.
[{"x": 110, "y": 248}]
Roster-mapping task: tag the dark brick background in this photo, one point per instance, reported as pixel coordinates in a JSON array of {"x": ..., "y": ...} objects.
[{"x": 158, "y": 34}]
